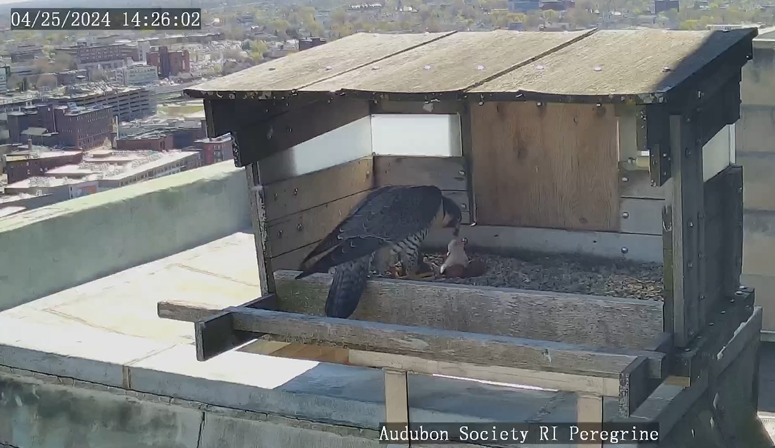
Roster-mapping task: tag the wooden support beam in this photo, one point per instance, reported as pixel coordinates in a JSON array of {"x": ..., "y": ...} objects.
[
  {"x": 261, "y": 140},
  {"x": 397, "y": 399},
  {"x": 216, "y": 334},
  {"x": 634, "y": 386},
  {"x": 550, "y": 316},
  {"x": 684, "y": 262},
  {"x": 466, "y": 148},
  {"x": 442, "y": 345},
  {"x": 696, "y": 360},
  {"x": 742, "y": 336},
  {"x": 257, "y": 199},
  {"x": 658, "y": 141},
  {"x": 733, "y": 228}
]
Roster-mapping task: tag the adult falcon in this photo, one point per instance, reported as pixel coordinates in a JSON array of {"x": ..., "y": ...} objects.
[{"x": 392, "y": 217}]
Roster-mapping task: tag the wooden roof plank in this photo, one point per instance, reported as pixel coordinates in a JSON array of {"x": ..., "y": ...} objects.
[
  {"x": 618, "y": 63},
  {"x": 316, "y": 64},
  {"x": 451, "y": 64}
]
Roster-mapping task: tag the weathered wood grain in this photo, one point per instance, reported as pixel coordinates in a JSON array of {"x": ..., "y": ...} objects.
[
  {"x": 302, "y": 229},
  {"x": 627, "y": 246},
  {"x": 320, "y": 187},
  {"x": 439, "y": 345},
  {"x": 299, "y": 70},
  {"x": 450, "y": 64},
  {"x": 587, "y": 68},
  {"x": 292, "y": 260},
  {"x": 553, "y": 166},
  {"x": 447, "y": 173},
  {"x": 597, "y": 321}
]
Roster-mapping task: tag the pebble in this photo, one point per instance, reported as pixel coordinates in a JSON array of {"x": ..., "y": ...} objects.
[{"x": 576, "y": 274}]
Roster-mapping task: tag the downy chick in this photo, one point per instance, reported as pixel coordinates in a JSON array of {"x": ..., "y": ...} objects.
[{"x": 457, "y": 259}]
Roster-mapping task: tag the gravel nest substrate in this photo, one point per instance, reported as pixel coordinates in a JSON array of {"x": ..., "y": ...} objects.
[{"x": 565, "y": 273}]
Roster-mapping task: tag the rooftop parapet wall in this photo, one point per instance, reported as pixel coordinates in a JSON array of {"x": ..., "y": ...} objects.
[{"x": 52, "y": 248}]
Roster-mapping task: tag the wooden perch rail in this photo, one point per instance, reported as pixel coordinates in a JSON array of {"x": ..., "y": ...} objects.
[{"x": 622, "y": 374}]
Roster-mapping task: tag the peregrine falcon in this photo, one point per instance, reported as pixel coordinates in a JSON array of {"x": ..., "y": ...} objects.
[{"x": 394, "y": 217}]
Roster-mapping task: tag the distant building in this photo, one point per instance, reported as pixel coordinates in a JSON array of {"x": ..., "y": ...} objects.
[
  {"x": 4, "y": 72},
  {"x": 71, "y": 77},
  {"x": 170, "y": 63},
  {"x": 102, "y": 170},
  {"x": 22, "y": 165},
  {"x": 161, "y": 139},
  {"x": 50, "y": 125},
  {"x": 557, "y": 5},
  {"x": 154, "y": 141},
  {"x": 86, "y": 54},
  {"x": 128, "y": 103},
  {"x": 137, "y": 74},
  {"x": 665, "y": 5},
  {"x": 310, "y": 42},
  {"x": 216, "y": 149},
  {"x": 25, "y": 53},
  {"x": 524, "y": 6}
]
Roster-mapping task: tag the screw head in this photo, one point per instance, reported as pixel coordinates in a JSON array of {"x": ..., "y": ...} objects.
[
  {"x": 625, "y": 215},
  {"x": 625, "y": 250}
]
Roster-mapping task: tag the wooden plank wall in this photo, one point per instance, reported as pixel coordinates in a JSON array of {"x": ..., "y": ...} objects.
[
  {"x": 545, "y": 165},
  {"x": 302, "y": 210},
  {"x": 450, "y": 174}
]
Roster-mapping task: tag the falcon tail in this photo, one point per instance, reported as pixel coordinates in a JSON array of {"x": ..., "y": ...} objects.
[{"x": 346, "y": 289}]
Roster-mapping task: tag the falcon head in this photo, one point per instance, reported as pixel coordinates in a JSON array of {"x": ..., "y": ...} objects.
[{"x": 452, "y": 215}]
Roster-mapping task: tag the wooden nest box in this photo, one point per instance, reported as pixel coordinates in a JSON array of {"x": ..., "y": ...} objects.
[{"x": 602, "y": 143}]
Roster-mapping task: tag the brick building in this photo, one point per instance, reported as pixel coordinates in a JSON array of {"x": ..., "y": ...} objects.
[
  {"x": 214, "y": 150},
  {"x": 162, "y": 139},
  {"x": 51, "y": 125},
  {"x": 151, "y": 141},
  {"x": 83, "y": 128},
  {"x": 170, "y": 63},
  {"x": 22, "y": 165}
]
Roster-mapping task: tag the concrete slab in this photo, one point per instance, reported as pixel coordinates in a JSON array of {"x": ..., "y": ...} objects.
[
  {"x": 36, "y": 414},
  {"x": 75, "y": 352},
  {"x": 219, "y": 432}
]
